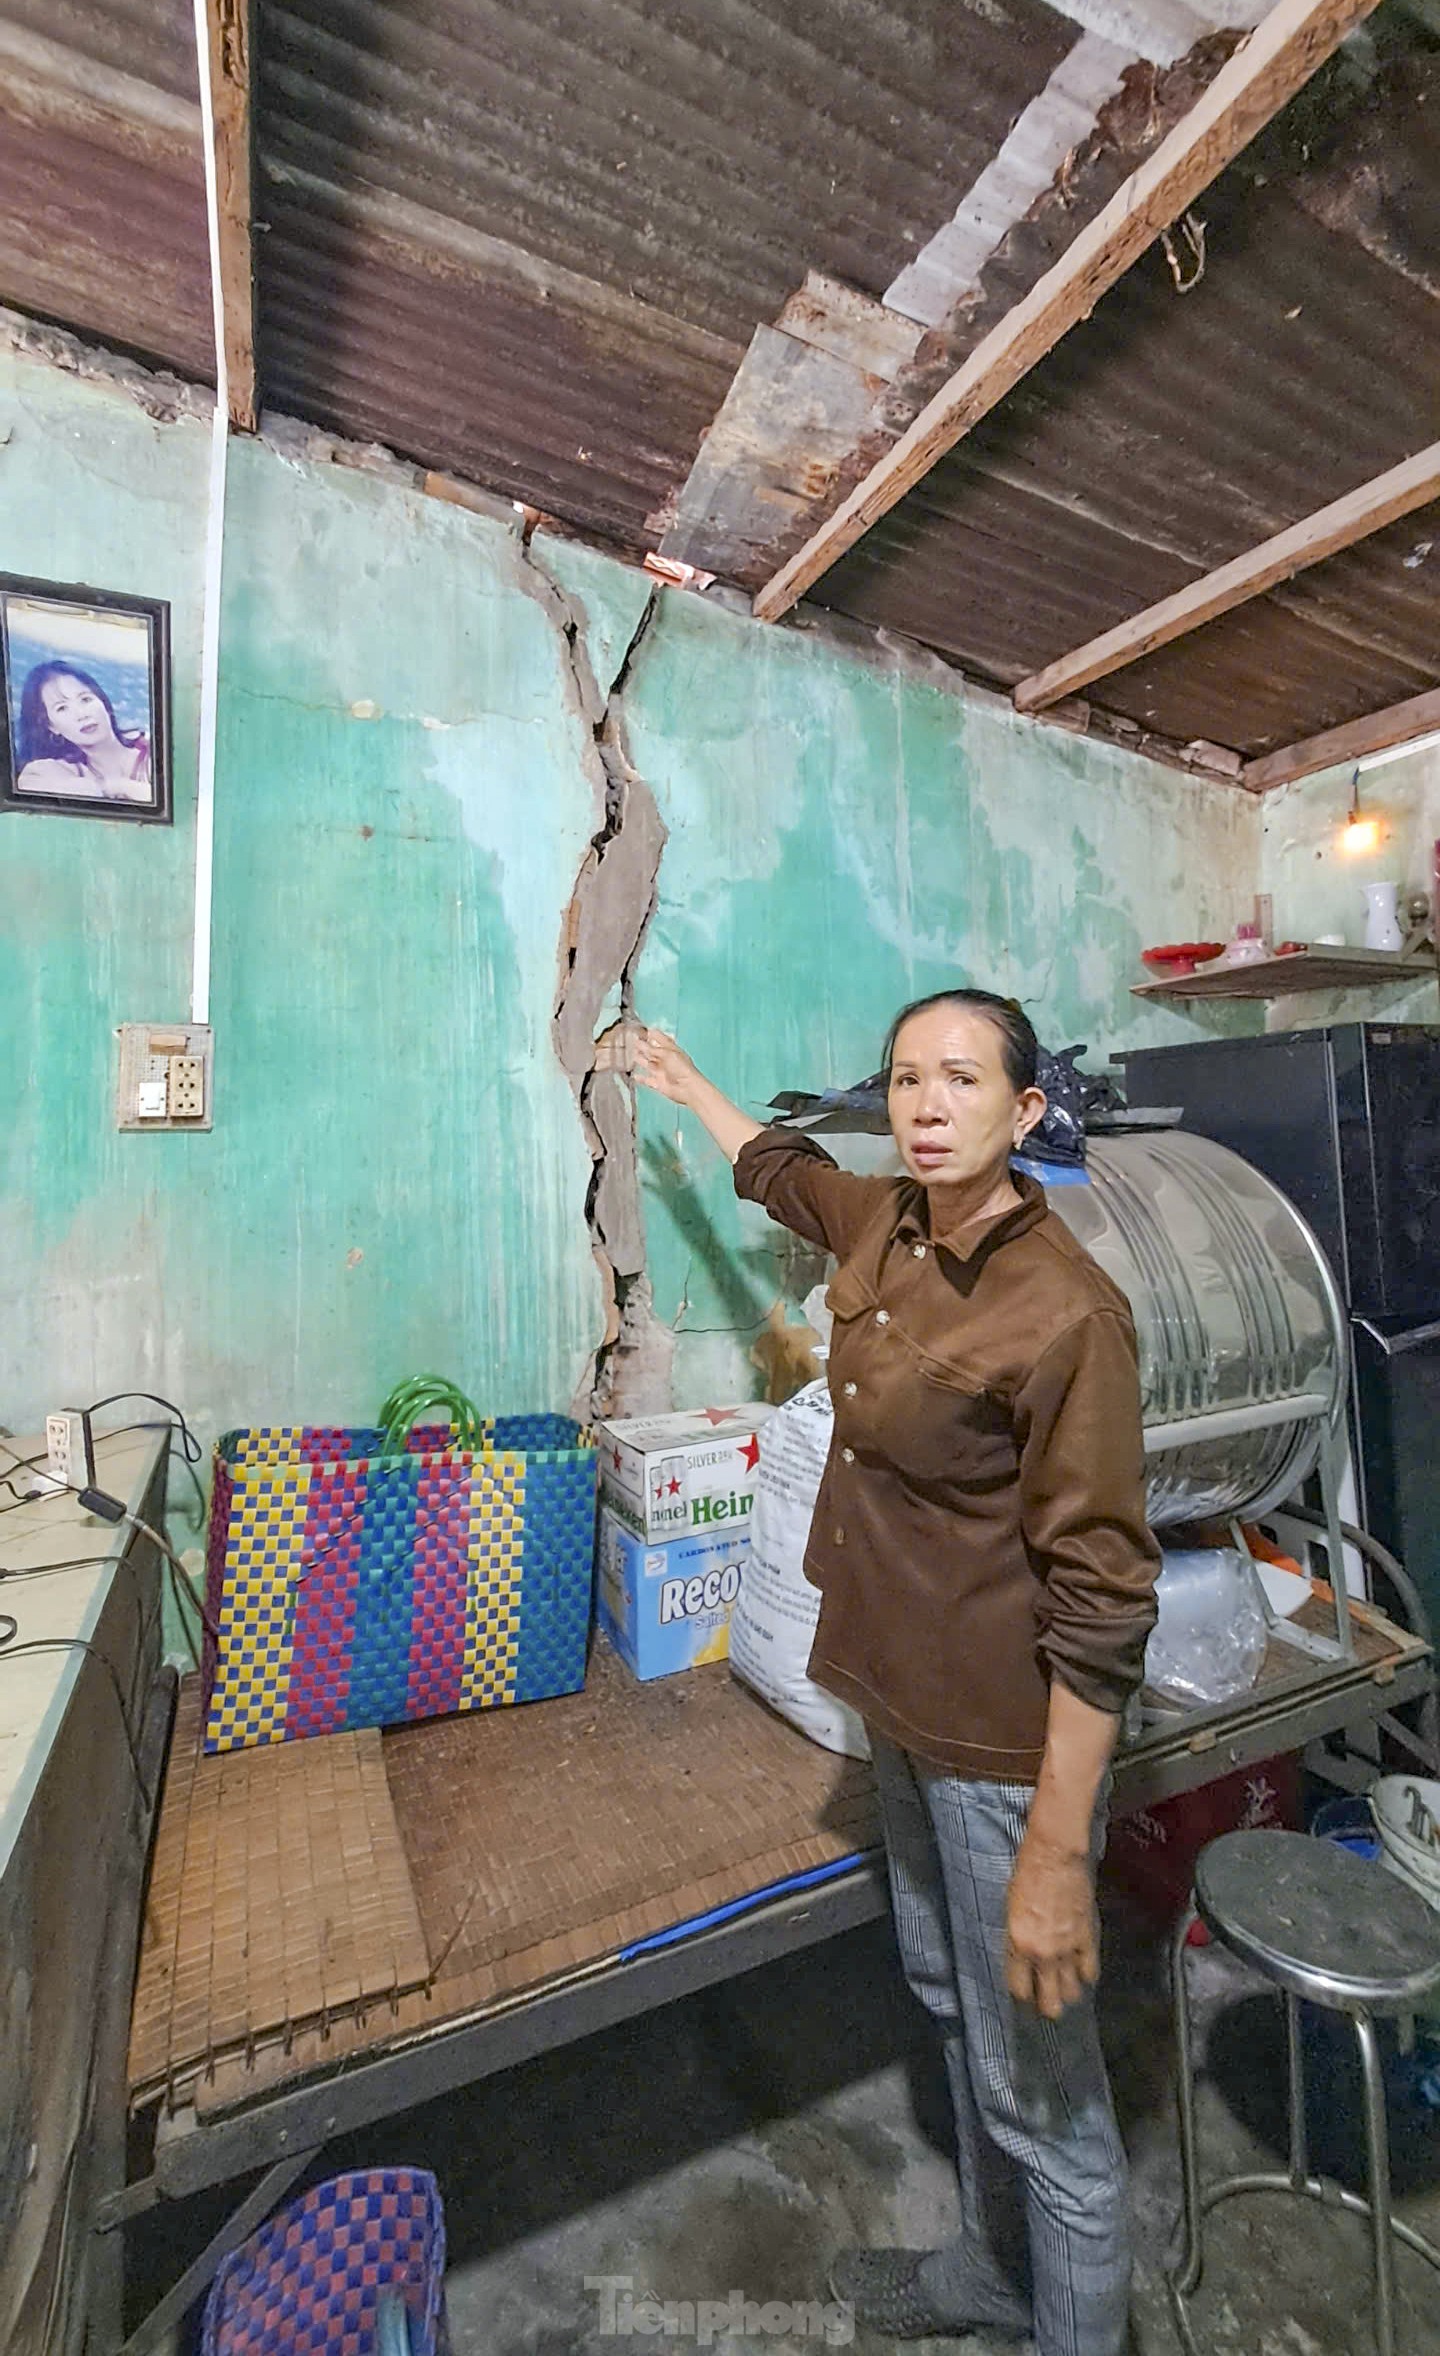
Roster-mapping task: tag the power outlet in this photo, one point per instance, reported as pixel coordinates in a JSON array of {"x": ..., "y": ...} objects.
[
  {"x": 186, "y": 1087},
  {"x": 166, "y": 1076},
  {"x": 65, "y": 1447}
]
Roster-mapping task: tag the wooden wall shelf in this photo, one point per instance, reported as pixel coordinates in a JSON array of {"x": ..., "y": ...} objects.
[{"x": 1308, "y": 969}]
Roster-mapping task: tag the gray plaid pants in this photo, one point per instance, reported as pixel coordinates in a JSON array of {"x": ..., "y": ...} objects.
[{"x": 1044, "y": 2192}]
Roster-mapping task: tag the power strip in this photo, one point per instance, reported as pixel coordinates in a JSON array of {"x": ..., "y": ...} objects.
[{"x": 69, "y": 1448}]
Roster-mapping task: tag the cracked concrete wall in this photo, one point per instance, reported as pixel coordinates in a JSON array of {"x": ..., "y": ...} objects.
[
  {"x": 600, "y": 941},
  {"x": 845, "y": 834},
  {"x": 447, "y": 761}
]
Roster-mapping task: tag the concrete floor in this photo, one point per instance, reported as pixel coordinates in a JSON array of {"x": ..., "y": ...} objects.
[{"x": 736, "y": 2140}]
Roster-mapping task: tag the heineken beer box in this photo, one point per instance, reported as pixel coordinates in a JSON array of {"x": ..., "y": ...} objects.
[
  {"x": 682, "y": 1476},
  {"x": 667, "y": 1607}
]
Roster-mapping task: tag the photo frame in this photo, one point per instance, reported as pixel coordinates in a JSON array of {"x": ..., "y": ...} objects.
[{"x": 85, "y": 693}]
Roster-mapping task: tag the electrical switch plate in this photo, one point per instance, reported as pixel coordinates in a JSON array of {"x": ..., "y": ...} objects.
[{"x": 166, "y": 1078}]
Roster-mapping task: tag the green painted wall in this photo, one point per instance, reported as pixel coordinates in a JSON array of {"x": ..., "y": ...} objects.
[
  {"x": 1315, "y": 881},
  {"x": 397, "y": 1174}
]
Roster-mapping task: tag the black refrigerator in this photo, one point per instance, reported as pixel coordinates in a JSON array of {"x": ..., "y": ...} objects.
[{"x": 1347, "y": 1121}]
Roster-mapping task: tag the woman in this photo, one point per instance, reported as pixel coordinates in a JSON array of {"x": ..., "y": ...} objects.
[
  {"x": 71, "y": 743},
  {"x": 986, "y": 1581}
]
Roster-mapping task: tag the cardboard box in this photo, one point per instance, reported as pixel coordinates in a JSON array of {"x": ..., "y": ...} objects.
[
  {"x": 667, "y": 1607},
  {"x": 679, "y": 1476}
]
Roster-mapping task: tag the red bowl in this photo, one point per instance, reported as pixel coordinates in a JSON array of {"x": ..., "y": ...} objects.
[{"x": 1180, "y": 957}]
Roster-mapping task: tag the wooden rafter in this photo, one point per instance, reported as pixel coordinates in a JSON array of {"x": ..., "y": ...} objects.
[
  {"x": 1383, "y": 500},
  {"x": 1419, "y": 715},
  {"x": 1287, "y": 47},
  {"x": 228, "y": 23}
]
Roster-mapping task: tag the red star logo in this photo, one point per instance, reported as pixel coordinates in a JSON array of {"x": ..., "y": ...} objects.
[
  {"x": 714, "y": 1415},
  {"x": 750, "y": 1450},
  {"x": 615, "y": 1459},
  {"x": 674, "y": 1489}
]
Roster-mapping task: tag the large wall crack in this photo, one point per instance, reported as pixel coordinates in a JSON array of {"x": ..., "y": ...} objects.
[{"x": 601, "y": 937}]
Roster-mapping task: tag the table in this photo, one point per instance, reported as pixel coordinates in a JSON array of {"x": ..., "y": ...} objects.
[{"x": 82, "y": 1736}]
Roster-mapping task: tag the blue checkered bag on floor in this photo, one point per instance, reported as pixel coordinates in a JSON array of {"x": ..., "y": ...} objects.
[{"x": 320, "y": 2273}]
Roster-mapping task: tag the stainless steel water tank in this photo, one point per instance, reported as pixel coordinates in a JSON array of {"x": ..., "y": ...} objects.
[{"x": 1242, "y": 1339}]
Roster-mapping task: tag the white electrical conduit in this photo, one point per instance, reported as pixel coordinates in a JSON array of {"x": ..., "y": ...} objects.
[{"x": 214, "y": 558}]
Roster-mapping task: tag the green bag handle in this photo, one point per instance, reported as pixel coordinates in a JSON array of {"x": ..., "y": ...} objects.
[{"x": 412, "y": 1401}]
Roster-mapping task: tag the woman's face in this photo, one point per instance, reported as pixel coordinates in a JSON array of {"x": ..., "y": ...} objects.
[
  {"x": 75, "y": 712},
  {"x": 954, "y": 1110}
]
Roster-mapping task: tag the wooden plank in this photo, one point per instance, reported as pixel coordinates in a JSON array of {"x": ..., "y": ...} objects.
[
  {"x": 1418, "y": 715},
  {"x": 228, "y": 24},
  {"x": 1383, "y": 500},
  {"x": 1277, "y": 60},
  {"x": 790, "y": 420}
]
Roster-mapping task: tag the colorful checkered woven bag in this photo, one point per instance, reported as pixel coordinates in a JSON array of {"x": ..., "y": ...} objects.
[
  {"x": 315, "y": 2275},
  {"x": 356, "y": 1582}
]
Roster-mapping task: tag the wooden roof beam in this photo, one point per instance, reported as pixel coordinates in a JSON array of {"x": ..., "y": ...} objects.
[
  {"x": 228, "y": 24},
  {"x": 1286, "y": 48},
  {"x": 1356, "y": 740},
  {"x": 1383, "y": 500}
]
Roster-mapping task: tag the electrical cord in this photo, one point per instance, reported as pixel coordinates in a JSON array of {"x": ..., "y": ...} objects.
[
  {"x": 192, "y": 1448},
  {"x": 57, "y": 1489},
  {"x": 111, "y": 1510},
  {"x": 10, "y": 1651},
  {"x": 21, "y": 1464},
  {"x": 181, "y": 1585}
]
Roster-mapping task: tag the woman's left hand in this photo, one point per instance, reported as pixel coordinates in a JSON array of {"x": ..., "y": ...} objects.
[{"x": 1052, "y": 1943}]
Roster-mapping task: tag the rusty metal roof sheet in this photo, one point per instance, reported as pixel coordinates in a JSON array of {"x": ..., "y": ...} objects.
[
  {"x": 1170, "y": 432},
  {"x": 688, "y": 161},
  {"x": 531, "y": 247},
  {"x": 701, "y": 155}
]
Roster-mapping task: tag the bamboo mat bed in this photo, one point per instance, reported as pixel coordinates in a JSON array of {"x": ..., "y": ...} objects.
[
  {"x": 530, "y": 1845},
  {"x": 536, "y": 1841},
  {"x": 280, "y": 1895}
]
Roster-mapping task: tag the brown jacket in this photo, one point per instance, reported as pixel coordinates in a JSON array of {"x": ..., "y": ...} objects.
[{"x": 981, "y": 1522}]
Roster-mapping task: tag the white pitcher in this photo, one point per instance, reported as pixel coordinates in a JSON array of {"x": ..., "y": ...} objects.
[{"x": 1382, "y": 923}]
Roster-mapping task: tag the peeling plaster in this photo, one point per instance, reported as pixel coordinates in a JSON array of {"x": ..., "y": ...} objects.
[{"x": 601, "y": 935}]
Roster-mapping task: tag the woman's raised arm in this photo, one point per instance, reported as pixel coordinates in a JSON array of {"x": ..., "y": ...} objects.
[{"x": 664, "y": 1066}]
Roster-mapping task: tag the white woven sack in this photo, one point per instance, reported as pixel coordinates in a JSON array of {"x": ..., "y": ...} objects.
[{"x": 773, "y": 1621}]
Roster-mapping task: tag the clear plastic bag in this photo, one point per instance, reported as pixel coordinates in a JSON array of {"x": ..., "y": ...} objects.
[{"x": 1210, "y": 1638}]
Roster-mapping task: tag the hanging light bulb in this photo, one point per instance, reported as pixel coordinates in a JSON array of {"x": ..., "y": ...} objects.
[{"x": 1361, "y": 834}]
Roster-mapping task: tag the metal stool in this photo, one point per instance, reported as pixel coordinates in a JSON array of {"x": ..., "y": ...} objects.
[{"x": 1321, "y": 1923}]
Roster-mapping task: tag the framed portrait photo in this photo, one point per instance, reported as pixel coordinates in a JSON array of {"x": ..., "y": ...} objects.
[{"x": 85, "y": 676}]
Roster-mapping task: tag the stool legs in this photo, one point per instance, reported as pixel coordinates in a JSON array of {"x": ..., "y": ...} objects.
[
  {"x": 1299, "y": 2133},
  {"x": 1377, "y": 2147},
  {"x": 1187, "y": 2273}
]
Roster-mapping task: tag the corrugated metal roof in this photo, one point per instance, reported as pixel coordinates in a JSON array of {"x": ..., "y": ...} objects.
[
  {"x": 698, "y": 154},
  {"x": 102, "y": 202},
  {"x": 463, "y": 365},
  {"x": 111, "y": 244},
  {"x": 691, "y": 160},
  {"x": 1168, "y": 433},
  {"x": 531, "y": 247},
  {"x": 153, "y": 40}
]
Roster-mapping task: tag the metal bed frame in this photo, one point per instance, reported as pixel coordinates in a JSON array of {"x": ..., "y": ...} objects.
[{"x": 282, "y": 2130}]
